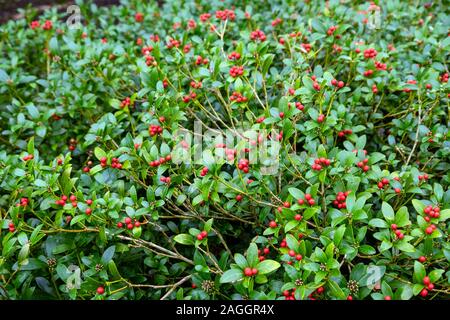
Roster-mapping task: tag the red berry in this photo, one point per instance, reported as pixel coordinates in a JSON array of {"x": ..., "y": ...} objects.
[
  {"x": 199, "y": 237},
  {"x": 238, "y": 197},
  {"x": 248, "y": 272},
  {"x": 88, "y": 211},
  {"x": 286, "y": 204},
  {"x": 73, "y": 198},
  {"x": 127, "y": 220},
  {"x": 298, "y": 217},
  {"x": 349, "y": 298},
  {"x": 298, "y": 257},
  {"x": 291, "y": 253},
  {"x": 204, "y": 233},
  {"x": 254, "y": 271},
  {"x": 88, "y": 202},
  {"x": 266, "y": 250},
  {"x": 422, "y": 259},
  {"x": 387, "y": 298},
  {"x": 426, "y": 280},
  {"x": 100, "y": 290},
  {"x": 429, "y": 230},
  {"x": 137, "y": 224},
  {"x": 119, "y": 224},
  {"x": 272, "y": 224},
  {"x": 320, "y": 290},
  {"x": 430, "y": 286},
  {"x": 424, "y": 293},
  {"x": 130, "y": 226},
  {"x": 393, "y": 226}
]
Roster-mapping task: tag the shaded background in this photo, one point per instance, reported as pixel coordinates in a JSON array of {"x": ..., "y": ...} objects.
[{"x": 9, "y": 8}]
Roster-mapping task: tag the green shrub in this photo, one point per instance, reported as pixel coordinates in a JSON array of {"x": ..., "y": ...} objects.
[{"x": 346, "y": 105}]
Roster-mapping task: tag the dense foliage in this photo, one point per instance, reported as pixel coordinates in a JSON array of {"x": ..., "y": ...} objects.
[{"x": 93, "y": 204}]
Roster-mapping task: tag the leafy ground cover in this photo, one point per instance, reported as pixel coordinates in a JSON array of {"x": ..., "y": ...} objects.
[{"x": 104, "y": 195}]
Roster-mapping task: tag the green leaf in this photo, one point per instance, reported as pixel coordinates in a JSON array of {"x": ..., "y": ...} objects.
[
  {"x": 435, "y": 275},
  {"x": 419, "y": 272},
  {"x": 402, "y": 217},
  {"x": 267, "y": 266},
  {"x": 418, "y": 205},
  {"x": 240, "y": 260},
  {"x": 387, "y": 211},
  {"x": 336, "y": 291},
  {"x": 184, "y": 238},
  {"x": 291, "y": 225},
  {"x": 405, "y": 246},
  {"x": 378, "y": 223},
  {"x": 108, "y": 254},
  {"x": 231, "y": 275},
  {"x": 296, "y": 193},
  {"x": 99, "y": 153},
  {"x": 208, "y": 224},
  {"x": 252, "y": 254}
]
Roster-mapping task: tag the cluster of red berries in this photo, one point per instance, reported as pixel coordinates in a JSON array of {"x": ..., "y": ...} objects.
[
  {"x": 276, "y": 22},
  {"x": 225, "y": 14},
  {"x": 125, "y": 103},
  {"x": 370, "y": 53},
  {"x": 243, "y": 165},
  {"x": 155, "y": 129},
  {"x": 205, "y": 17},
  {"x": 204, "y": 171},
  {"x": 342, "y": 133},
  {"x": 397, "y": 232},
  {"x": 139, "y": 17},
  {"x": 263, "y": 253},
  {"x": 368, "y": 73},
  {"x": 23, "y": 202},
  {"x": 202, "y": 235},
  {"x": 161, "y": 161},
  {"x": 307, "y": 46},
  {"x": 234, "y": 56},
  {"x": 338, "y": 84},
  {"x": 200, "y": 60},
  {"x": 238, "y": 97},
  {"x": 430, "y": 286},
  {"x": 339, "y": 201},
  {"x": 165, "y": 180},
  {"x": 444, "y": 78},
  {"x": 129, "y": 223},
  {"x": 258, "y": 35},
  {"x": 250, "y": 272},
  {"x": 11, "y": 227},
  {"x": 423, "y": 177},
  {"x": 189, "y": 97},
  {"x": 173, "y": 43},
  {"x": 236, "y": 71},
  {"x": 320, "y": 118},
  {"x": 260, "y": 119},
  {"x": 316, "y": 85},
  {"x": 380, "y": 66},
  {"x": 331, "y": 30},
  {"x": 154, "y": 37},
  {"x": 308, "y": 198},
  {"x": 336, "y": 48},
  {"x": 28, "y": 157},
  {"x": 318, "y": 291},
  {"x": 431, "y": 212},
  {"x": 363, "y": 165},
  {"x": 412, "y": 81},
  {"x": 383, "y": 183},
  {"x": 72, "y": 144},
  {"x": 319, "y": 163},
  {"x": 374, "y": 88},
  {"x": 88, "y": 166},
  {"x": 289, "y": 295},
  {"x": 196, "y": 85},
  {"x": 62, "y": 201},
  {"x": 187, "y": 48},
  {"x": 192, "y": 24},
  {"x": 293, "y": 254},
  {"x": 115, "y": 163}
]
